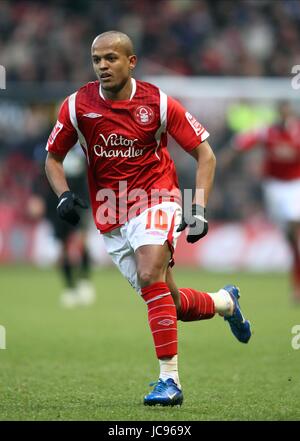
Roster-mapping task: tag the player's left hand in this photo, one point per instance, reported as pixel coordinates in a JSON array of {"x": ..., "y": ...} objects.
[{"x": 195, "y": 220}]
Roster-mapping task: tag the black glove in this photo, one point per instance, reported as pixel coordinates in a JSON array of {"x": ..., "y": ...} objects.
[
  {"x": 66, "y": 207},
  {"x": 195, "y": 220}
]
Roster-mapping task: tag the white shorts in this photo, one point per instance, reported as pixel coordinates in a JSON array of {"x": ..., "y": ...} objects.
[
  {"x": 154, "y": 226},
  {"x": 283, "y": 200}
]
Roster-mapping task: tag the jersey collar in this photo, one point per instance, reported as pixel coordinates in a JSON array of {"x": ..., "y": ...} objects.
[{"x": 133, "y": 83}]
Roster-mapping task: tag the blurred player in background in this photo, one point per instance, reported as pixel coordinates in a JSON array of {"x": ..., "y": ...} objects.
[
  {"x": 122, "y": 126},
  {"x": 281, "y": 171},
  {"x": 74, "y": 261}
]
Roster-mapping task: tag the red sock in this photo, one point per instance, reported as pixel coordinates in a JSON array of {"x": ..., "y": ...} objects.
[
  {"x": 162, "y": 318},
  {"x": 195, "y": 305}
]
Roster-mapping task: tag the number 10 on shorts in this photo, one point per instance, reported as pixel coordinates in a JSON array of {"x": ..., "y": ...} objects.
[{"x": 157, "y": 220}]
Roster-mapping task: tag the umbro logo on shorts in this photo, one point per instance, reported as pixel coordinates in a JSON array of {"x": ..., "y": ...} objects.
[{"x": 166, "y": 322}]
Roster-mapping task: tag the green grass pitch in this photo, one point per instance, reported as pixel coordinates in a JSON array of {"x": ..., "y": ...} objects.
[{"x": 96, "y": 363}]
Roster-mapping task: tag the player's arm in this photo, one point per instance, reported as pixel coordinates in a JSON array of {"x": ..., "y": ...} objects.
[
  {"x": 67, "y": 200},
  {"x": 191, "y": 136},
  {"x": 195, "y": 217},
  {"x": 55, "y": 173},
  {"x": 206, "y": 165},
  {"x": 61, "y": 140}
]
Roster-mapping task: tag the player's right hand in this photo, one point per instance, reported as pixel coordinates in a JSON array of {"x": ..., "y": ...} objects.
[{"x": 66, "y": 207}]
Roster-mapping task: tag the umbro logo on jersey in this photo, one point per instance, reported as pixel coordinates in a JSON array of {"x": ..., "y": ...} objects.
[{"x": 92, "y": 115}]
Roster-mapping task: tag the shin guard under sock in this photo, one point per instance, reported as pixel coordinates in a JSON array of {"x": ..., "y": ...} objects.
[{"x": 162, "y": 318}]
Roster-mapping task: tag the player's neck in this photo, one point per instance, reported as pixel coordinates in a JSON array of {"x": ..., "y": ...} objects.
[{"x": 123, "y": 94}]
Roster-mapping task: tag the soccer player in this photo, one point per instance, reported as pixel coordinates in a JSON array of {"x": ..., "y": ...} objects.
[
  {"x": 281, "y": 171},
  {"x": 122, "y": 126}
]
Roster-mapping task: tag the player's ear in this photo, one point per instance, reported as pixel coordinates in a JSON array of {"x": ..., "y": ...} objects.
[{"x": 132, "y": 61}]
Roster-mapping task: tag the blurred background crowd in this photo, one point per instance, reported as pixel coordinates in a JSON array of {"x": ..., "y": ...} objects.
[
  {"x": 49, "y": 41},
  {"x": 45, "y": 49}
]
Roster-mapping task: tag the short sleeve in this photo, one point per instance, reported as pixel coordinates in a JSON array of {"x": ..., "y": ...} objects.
[
  {"x": 184, "y": 127},
  {"x": 63, "y": 136}
]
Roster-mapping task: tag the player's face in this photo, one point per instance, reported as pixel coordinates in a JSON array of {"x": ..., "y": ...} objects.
[{"x": 112, "y": 65}]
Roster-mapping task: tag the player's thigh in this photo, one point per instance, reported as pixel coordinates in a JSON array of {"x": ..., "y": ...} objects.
[
  {"x": 153, "y": 235},
  {"x": 122, "y": 256}
]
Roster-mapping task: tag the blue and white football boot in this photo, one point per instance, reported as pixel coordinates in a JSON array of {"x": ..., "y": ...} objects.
[
  {"x": 165, "y": 393},
  {"x": 240, "y": 327}
]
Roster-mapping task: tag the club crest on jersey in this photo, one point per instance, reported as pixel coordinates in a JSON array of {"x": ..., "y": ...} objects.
[
  {"x": 143, "y": 115},
  {"x": 56, "y": 129},
  {"x": 198, "y": 129}
]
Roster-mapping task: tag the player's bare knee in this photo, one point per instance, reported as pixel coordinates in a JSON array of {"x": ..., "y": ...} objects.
[{"x": 148, "y": 276}]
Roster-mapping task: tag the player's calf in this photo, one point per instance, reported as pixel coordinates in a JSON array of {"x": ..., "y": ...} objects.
[{"x": 195, "y": 305}]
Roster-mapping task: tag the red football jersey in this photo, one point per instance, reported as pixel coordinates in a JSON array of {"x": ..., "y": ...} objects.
[
  {"x": 125, "y": 144},
  {"x": 282, "y": 149}
]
